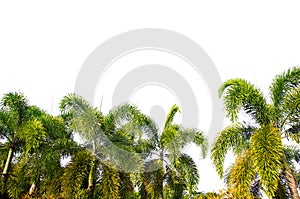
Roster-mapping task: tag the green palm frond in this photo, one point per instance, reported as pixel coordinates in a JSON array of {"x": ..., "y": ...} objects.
[
  {"x": 235, "y": 137},
  {"x": 169, "y": 134},
  {"x": 81, "y": 116},
  {"x": 189, "y": 171},
  {"x": 170, "y": 117},
  {"x": 8, "y": 124},
  {"x": 17, "y": 103},
  {"x": 283, "y": 83},
  {"x": 87, "y": 124},
  {"x": 76, "y": 174},
  {"x": 55, "y": 127},
  {"x": 176, "y": 184},
  {"x": 292, "y": 153},
  {"x": 132, "y": 125},
  {"x": 19, "y": 183},
  {"x": 33, "y": 133},
  {"x": 267, "y": 149},
  {"x": 290, "y": 115},
  {"x": 128, "y": 113},
  {"x": 74, "y": 104},
  {"x": 50, "y": 186},
  {"x": 201, "y": 141},
  {"x": 126, "y": 185},
  {"x": 110, "y": 183},
  {"x": 242, "y": 175},
  {"x": 240, "y": 94}
]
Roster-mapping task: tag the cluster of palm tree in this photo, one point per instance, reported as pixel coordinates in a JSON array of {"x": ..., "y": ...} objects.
[
  {"x": 124, "y": 154},
  {"x": 121, "y": 155}
]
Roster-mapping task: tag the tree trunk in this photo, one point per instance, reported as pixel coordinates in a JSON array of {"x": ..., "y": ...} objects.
[
  {"x": 291, "y": 182},
  {"x": 162, "y": 182},
  {"x": 92, "y": 172},
  {"x": 32, "y": 188},
  {"x": 91, "y": 175},
  {"x": 8, "y": 161},
  {"x": 5, "y": 170}
]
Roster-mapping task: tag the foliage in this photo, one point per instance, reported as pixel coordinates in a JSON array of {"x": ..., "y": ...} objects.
[{"x": 257, "y": 141}]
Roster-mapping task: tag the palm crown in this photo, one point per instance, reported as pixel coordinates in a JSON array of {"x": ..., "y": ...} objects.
[{"x": 257, "y": 142}]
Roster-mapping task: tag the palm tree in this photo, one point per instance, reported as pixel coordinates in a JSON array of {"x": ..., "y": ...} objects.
[
  {"x": 170, "y": 170},
  {"x": 15, "y": 114},
  {"x": 46, "y": 142},
  {"x": 256, "y": 138},
  {"x": 33, "y": 143},
  {"x": 112, "y": 140}
]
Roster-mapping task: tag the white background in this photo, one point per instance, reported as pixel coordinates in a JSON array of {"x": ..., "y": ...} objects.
[{"x": 43, "y": 44}]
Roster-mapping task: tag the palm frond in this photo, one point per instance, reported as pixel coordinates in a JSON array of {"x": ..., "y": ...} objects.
[
  {"x": 170, "y": 117},
  {"x": 235, "y": 137},
  {"x": 33, "y": 134},
  {"x": 242, "y": 175},
  {"x": 292, "y": 153},
  {"x": 76, "y": 174},
  {"x": 282, "y": 84},
  {"x": 73, "y": 104},
  {"x": 240, "y": 94},
  {"x": 110, "y": 183},
  {"x": 267, "y": 149},
  {"x": 189, "y": 172},
  {"x": 290, "y": 115},
  {"x": 201, "y": 141}
]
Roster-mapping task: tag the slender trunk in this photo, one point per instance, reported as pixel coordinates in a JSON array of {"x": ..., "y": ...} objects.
[
  {"x": 6, "y": 169},
  {"x": 91, "y": 175},
  {"x": 162, "y": 182},
  {"x": 91, "y": 178},
  {"x": 8, "y": 161},
  {"x": 32, "y": 188},
  {"x": 291, "y": 182}
]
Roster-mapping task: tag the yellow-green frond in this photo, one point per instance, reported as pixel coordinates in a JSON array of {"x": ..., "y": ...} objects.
[{"x": 267, "y": 149}]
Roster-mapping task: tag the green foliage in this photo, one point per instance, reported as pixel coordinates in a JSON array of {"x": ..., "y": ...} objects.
[
  {"x": 283, "y": 84},
  {"x": 110, "y": 183},
  {"x": 241, "y": 95},
  {"x": 76, "y": 174},
  {"x": 260, "y": 155},
  {"x": 267, "y": 158},
  {"x": 179, "y": 176},
  {"x": 151, "y": 186},
  {"x": 241, "y": 176},
  {"x": 235, "y": 137},
  {"x": 188, "y": 172}
]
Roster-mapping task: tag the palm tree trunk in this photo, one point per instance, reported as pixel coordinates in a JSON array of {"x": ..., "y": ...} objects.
[
  {"x": 6, "y": 169},
  {"x": 8, "y": 161},
  {"x": 92, "y": 172},
  {"x": 291, "y": 182},
  {"x": 91, "y": 175},
  {"x": 32, "y": 188},
  {"x": 161, "y": 188}
]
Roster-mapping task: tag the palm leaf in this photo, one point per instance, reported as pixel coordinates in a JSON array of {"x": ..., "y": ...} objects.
[
  {"x": 110, "y": 183},
  {"x": 170, "y": 117},
  {"x": 282, "y": 84},
  {"x": 242, "y": 175},
  {"x": 267, "y": 149},
  {"x": 240, "y": 94},
  {"x": 235, "y": 137}
]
